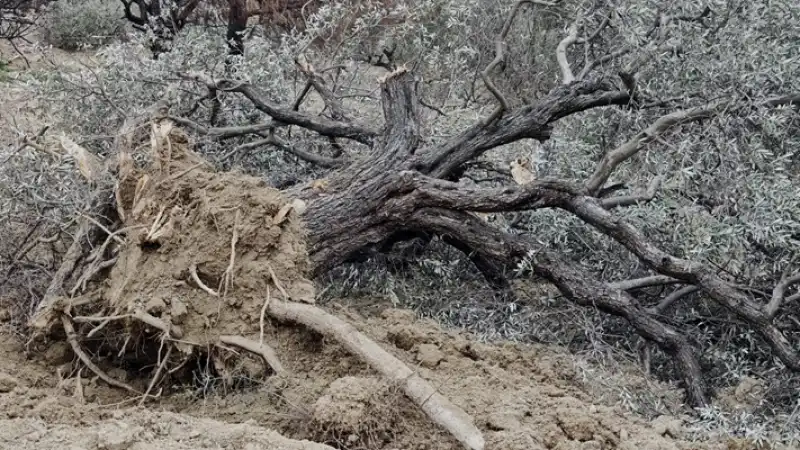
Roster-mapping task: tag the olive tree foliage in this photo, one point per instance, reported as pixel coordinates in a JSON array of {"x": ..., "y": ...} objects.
[
  {"x": 662, "y": 141},
  {"x": 73, "y": 24},
  {"x": 15, "y": 21}
]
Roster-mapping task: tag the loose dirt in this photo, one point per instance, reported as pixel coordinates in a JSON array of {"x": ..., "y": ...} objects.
[{"x": 522, "y": 397}]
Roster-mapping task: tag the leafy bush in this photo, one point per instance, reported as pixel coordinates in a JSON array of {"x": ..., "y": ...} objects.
[{"x": 76, "y": 24}]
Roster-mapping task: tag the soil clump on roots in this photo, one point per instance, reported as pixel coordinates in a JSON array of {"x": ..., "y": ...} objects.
[{"x": 196, "y": 256}]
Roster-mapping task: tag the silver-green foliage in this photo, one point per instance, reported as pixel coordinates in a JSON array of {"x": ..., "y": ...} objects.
[{"x": 77, "y": 24}]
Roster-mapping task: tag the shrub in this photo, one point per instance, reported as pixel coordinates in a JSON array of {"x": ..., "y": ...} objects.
[{"x": 76, "y": 24}]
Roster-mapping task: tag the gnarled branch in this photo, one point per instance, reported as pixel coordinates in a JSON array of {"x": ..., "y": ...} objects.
[{"x": 289, "y": 116}]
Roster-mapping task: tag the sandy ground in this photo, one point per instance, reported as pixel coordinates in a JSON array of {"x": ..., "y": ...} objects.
[{"x": 522, "y": 397}]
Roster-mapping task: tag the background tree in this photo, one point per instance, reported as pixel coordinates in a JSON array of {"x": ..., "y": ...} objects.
[{"x": 15, "y": 20}]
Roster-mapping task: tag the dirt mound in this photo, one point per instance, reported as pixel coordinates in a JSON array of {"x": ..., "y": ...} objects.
[
  {"x": 207, "y": 248},
  {"x": 142, "y": 430},
  {"x": 188, "y": 272},
  {"x": 522, "y": 396}
]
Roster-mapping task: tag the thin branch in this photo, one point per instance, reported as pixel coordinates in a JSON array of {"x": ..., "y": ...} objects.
[
  {"x": 321, "y": 125},
  {"x": 499, "y": 58},
  {"x": 638, "y": 283},
  {"x": 303, "y": 93},
  {"x": 602, "y": 60},
  {"x": 628, "y": 200},
  {"x": 779, "y": 294},
  {"x": 676, "y": 295},
  {"x": 606, "y": 21},
  {"x": 614, "y": 158},
  {"x": 224, "y": 132},
  {"x": 337, "y": 110},
  {"x": 273, "y": 140}
]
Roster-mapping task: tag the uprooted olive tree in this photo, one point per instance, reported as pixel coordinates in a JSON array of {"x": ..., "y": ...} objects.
[{"x": 400, "y": 185}]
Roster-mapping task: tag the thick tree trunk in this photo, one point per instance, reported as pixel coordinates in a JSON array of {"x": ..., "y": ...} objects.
[{"x": 237, "y": 24}]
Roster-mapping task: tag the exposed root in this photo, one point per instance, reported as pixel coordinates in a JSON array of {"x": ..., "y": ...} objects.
[
  {"x": 200, "y": 284},
  {"x": 79, "y": 388},
  {"x": 169, "y": 330},
  {"x": 44, "y": 314},
  {"x": 435, "y": 405},
  {"x": 261, "y": 318},
  {"x": 277, "y": 283},
  {"x": 97, "y": 264},
  {"x": 158, "y": 224},
  {"x": 156, "y": 376},
  {"x": 227, "y": 278},
  {"x": 76, "y": 347},
  {"x": 263, "y": 350}
]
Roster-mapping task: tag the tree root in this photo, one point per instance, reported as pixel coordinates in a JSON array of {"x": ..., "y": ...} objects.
[
  {"x": 43, "y": 315},
  {"x": 76, "y": 347},
  {"x": 227, "y": 279},
  {"x": 156, "y": 376},
  {"x": 263, "y": 350},
  {"x": 200, "y": 284},
  {"x": 435, "y": 405}
]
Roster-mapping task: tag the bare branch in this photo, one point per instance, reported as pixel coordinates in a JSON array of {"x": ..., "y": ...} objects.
[
  {"x": 224, "y": 132},
  {"x": 602, "y": 60},
  {"x": 315, "y": 80},
  {"x": 672, "y": 298},
  {"x": 561, "y": 52},
  {"x": 578, "y": 286},
  {"x": 276, "y": 141},
  {"x": 779, "y": 293},
  {"x": 627, "y": 200},
  {"x": 614, "y": 158},
  {"x": 606, "y": 21},
  {"x": 592, "y": 212},
  {"x": 638, "y": 283},
  {"x": 321, "y": 125},
  {"x": 532, "y": 122}
]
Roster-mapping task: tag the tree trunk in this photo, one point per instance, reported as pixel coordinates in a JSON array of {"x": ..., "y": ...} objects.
[{"x": 237, "y": 24}]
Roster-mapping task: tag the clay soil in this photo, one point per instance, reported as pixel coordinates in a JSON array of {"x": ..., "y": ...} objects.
[{"x": 522, "y": 397}]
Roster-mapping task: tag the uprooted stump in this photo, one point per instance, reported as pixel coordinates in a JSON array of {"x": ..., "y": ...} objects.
[{"x": 195, "y": 265}]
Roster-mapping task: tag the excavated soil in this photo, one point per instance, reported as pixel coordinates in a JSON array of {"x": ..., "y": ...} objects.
[{"x": 522, "y": 397}]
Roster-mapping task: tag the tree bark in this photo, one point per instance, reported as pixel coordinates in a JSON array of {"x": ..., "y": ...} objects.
[{"x": 237, "y": 24}]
